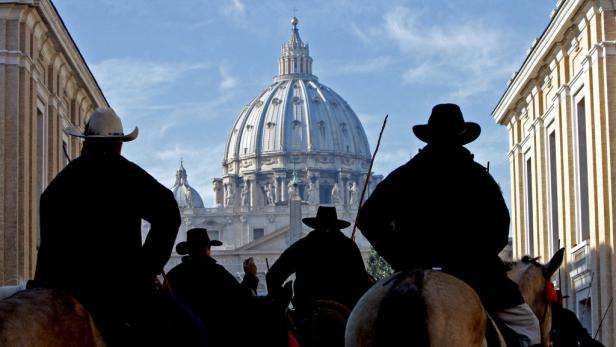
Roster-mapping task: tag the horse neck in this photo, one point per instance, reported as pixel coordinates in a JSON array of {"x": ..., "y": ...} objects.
[{"x": 530, "y": 280}]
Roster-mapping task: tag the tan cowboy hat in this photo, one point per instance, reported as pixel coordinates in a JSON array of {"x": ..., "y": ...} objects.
[
  {"x": 103, "y": 123},
  {"x": 197, "y": 239},
  {"x": 446, "y": 123},
  {"x": 326, "y": 217}
]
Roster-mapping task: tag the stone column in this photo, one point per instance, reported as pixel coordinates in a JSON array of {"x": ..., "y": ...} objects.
[
  {"x": 295, "y": 218},
  {"x": 218, "y": 192},
  {"x": 283, "y": 187},
  {"x": 251, "y": 182}
]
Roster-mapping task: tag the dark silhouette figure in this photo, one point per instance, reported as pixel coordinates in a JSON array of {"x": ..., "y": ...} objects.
[
  {"x": 327, "y": 264},
  {"x": 442, "y": 209},
  {"x": 567, "y": 331},
  {"x": 91, "y": 243},
  {"x": 210, "y": 291}
]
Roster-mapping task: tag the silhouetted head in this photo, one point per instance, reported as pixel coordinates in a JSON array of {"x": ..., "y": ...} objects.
[
  {"x": 197, "y": 243},
  {"x": 446, "y": 125},
  {"x": 326, "y": 218}
]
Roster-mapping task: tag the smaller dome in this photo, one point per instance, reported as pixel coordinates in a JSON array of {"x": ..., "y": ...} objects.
[{"x": 185, "y": 195}]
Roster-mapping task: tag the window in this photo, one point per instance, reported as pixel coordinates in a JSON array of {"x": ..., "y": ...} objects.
[
  {"x": 41, "y": 151},
  {"x": 584, "y": 313},
  {"x": 555, "y": 241},
  {"x": 65, "y": 152},
  {"x": 325, "y": 193},
  {"x": 257, "y": 233},
  {"x": 583, "y": 219},
  {"x": 530, "y": 237},
  {"x": 41, "y": 158}
]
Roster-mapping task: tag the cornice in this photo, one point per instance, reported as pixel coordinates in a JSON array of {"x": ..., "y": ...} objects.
[
  {"x": 64, "y": 41},
  {"x": 555, "y": 29}
]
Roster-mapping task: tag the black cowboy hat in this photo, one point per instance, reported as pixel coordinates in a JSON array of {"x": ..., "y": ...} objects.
[
  {"x": 326, "y": 217},
  {"x": 196, "y": 239},
  {"x": 446, "y": 123}
]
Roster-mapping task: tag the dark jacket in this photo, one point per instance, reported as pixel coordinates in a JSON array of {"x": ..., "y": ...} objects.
[
  {"x": 90, "y": 217},
  {"x": 210, "y": 291},
  {"x": 250, "y": 283},
  {"x": 327, "y": 265},
  {"x": 567, "y": 331},
  {"x": 91, "y": 244},
  {"x": 442, "y": 209}
]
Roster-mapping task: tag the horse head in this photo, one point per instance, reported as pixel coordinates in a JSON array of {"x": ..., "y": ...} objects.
[{"x": 533, "y": 279}]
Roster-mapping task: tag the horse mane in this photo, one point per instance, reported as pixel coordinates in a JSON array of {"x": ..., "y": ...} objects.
[
  {"x": 406, "y": 312},
  {"x": 527, "y": 259}
]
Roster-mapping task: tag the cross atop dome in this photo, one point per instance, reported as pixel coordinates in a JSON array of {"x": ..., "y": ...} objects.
[{"x": 295, "y": 56}]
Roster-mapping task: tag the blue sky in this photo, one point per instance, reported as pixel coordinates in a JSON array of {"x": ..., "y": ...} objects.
[{"x": 181, "y": 70}]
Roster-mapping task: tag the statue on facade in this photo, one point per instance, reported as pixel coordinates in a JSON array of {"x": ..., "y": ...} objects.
[
  {"x": 269, "y": 194},
  {"x": 189, "y": 199},
  {"x": 336, "y": 195},
  {"x": 311, "y": 194},
  {"x": 244, "y": 194},
  {"x": 229, "y": 193},
  {"x": 353, "y": 194}
]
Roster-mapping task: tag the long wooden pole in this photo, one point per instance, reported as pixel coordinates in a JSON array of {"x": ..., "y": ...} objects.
[{"x": 363, "y": 191}]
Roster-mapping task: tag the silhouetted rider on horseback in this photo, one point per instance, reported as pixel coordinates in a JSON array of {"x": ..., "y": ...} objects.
[
  {"x": 327, "y": 266},
  {"x": 91, "y": 243},
  {"x": 442, "y": 209}
]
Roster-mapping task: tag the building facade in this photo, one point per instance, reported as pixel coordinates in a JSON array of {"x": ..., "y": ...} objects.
[
  {"x": 295, "y": 146},
  {"x": 560, "y": 112},
  {"x": 45, "y": 85}
]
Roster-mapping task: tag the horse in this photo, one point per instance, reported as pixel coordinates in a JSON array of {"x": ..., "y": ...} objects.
[
  {"x": 319, "y": 323},
  {"x": 432, "y": 308},
  {"x": 45, "y": 317}
]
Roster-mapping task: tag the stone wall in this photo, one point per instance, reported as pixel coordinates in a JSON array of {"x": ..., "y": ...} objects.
[{"x": 45, "y": 85}]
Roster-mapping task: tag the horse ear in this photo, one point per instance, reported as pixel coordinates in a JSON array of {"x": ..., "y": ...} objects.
[{"x": 550, "y": 268}]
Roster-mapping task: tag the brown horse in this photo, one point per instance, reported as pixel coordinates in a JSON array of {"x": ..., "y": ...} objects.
[
  {"x": 44, "y": 317},
  {"x": 321, "y": 324},
  {"x": 432, "y": 308}
]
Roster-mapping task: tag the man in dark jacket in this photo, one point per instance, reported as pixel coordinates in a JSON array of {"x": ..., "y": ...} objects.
[
  {"x": 210, "y": 291},
  {"x": 567, "y": 331},
  {"x": 327, "y": 264},
  {"x": 91, "y": 245},
  {"x": 442, "y": 209}
]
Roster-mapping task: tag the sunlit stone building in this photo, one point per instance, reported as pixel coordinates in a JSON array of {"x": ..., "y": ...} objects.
[
  {"x": 296, "y": 145},
  {"x": 45, "y": 85},
  {"x": 560, "y": 112}
]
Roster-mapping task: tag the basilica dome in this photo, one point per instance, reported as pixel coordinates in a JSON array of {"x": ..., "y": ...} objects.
[
  {"x": 185, "y": 195},
  {"x": 296, "y": 120}
]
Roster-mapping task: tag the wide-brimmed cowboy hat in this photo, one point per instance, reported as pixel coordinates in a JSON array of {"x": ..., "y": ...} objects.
[
  {"x": 446, "y": 124},
  {"x": 103, "y": 123},
  {"x": 197, "y": 239},
  {"x": 326, "y": 218}
]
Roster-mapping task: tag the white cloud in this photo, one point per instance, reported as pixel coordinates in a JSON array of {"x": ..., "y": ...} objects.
[
  {"x": 228, "y": 81},
  {"x": 464, "y": 57},
  {"x": 367, "y": 66},
  {"x": 132, "y": 83},
  {"x": 235, "y": 7}
]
